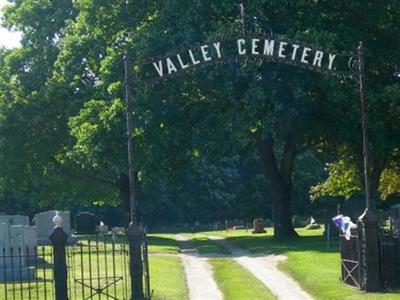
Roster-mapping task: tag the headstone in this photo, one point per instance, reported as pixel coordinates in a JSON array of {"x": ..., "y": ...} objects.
[
  {"x": 258, "y": 225},
  {"x": 312, "y": 225},
  {"x": 118, "y": 230},
  {"x": 86, "y": 223},
  {"x": 44, "y": 225},
  {"x": 30, "y": 240},
  {"x": 17, "y": 245},
  {"x": 395, "y": 220},
  {"x": 102, "y": 229},
  {"x": 14, "y": 220},
  {"x": 238, "y": 227}
]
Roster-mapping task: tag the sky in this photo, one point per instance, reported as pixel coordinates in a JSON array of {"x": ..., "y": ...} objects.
[{"x": 8, "y": 39}]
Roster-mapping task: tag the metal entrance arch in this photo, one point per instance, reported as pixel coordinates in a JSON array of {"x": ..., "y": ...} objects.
[
  {"x": 344, "y": 65},
  {"x": 270, "y": 48},
  {"x": 341, "y": 64}
]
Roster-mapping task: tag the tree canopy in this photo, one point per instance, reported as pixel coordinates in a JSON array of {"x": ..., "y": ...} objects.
[{"x": 226, "y": 141}]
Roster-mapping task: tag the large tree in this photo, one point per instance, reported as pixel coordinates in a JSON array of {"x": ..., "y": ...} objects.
[{"x": 74, "y": 142}]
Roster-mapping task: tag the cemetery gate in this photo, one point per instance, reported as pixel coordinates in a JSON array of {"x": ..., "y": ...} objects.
[
  {"x": 94, "y": 267},
  {"x": 352, "y": 252}
]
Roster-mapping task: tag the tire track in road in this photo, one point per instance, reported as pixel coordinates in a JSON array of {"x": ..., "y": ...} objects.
[
  {"x": 264, "y": 268},
  {"x": 199, "y": 275}
]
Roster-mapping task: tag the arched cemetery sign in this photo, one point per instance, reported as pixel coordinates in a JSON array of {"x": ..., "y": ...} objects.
[
  {"x": 277, "y": 49},
  {"x": 269, "y": 48}
]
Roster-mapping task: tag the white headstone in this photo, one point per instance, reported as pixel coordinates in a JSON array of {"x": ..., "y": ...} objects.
[
  {"x": 30, "y": 239},
  {"x": 14, "y": 220},
  {"x": 45, "y": 226},
  {"x": 102, "y": 229},
  {"x": 16, "y": 241}
]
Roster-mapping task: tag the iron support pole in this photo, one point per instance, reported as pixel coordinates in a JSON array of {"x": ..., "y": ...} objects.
[
  {"x": 134, "y": 233},
  {"x": 370, "y": 203},
  {"x": 368, "y": 221},
  {"x": 129, "y": 132}
]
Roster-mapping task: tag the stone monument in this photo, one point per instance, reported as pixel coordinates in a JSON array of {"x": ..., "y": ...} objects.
[
  {"x": 44, "y": 225},
  {"x": 17, "y": 245},
  {"x": 312, "y": 224},
  {"x": 258, "y": 225},
  {"x": 86, "y": 223},
  {"x": 14, "y": 220},
  {"x": 102, "y": 228}
]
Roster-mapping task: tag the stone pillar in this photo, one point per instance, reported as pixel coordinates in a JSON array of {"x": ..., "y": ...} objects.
[
  {"x": 370, "y": 254},
  {"x": 58, "y": 239},
  {"x": 136, "y": 238}
]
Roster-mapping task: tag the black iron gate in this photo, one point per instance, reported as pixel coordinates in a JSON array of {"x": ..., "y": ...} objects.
[
  {"x": 98, "y": 268},
  {"x": 351, "y": 260},
  {"x": 350, "y": 253}
]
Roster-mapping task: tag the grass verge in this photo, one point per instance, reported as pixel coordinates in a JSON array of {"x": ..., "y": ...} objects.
[
  {"x": 236, "y": 283},
  {"x": 162, "y": 243},
  {"x": 167, "y": 279}
]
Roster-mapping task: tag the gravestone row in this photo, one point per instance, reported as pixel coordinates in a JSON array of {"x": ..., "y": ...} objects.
[{"x": 17, "y": 246}]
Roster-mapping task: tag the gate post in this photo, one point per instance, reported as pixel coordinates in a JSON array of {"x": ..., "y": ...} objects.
[
  {"x": 135, "y": 236},
  {"x": 370, "y": 255},
  {"x": 58, "y": 239}
]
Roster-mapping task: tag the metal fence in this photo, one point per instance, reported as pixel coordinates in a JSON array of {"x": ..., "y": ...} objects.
[
  {"x": 95, "y": 267},
  {"x": 98, "y": 268},
  {"x": 390, "y": 252},
  {"x": 350, "y": 254},
  {"x": 26, "y": 273},
  {"x": 351, "y": 260}
]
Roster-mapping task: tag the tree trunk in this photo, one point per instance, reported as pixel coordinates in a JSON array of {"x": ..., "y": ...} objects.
[{"x": 280, "y": 183}]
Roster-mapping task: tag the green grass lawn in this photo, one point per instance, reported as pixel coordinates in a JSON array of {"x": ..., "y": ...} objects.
[
  {"x": 167, "y": 279},
  {"x": 236, "y": 283},
  {"x": 162, "y": 243},
  {"x": 315, "y": 267}
]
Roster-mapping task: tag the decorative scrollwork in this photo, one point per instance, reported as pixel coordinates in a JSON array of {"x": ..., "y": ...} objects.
[{"x": 354, "y": 64}]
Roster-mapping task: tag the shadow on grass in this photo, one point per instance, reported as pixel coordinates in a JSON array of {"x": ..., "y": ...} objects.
[
  {"x": 93, "y": 238},
  {"x": 206, "y": 247},
  {"x": 267, "y": 244},
  {"x": 158, "y": 242}
]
